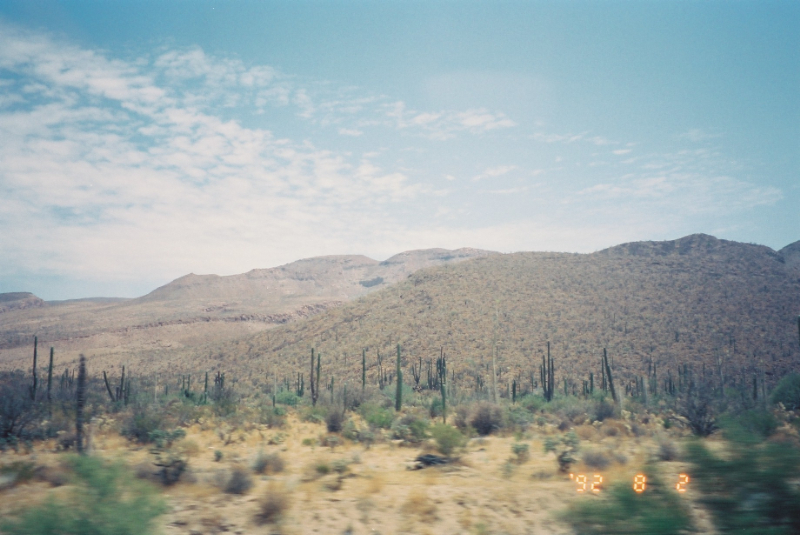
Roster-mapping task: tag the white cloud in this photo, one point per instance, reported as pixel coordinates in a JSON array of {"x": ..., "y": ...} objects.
[
  {"x": 351, "y": 132},
  {"x": 620, "y": 152},
  {"x": 494, "y": 172},
  {"x": 698, "y": 135}
]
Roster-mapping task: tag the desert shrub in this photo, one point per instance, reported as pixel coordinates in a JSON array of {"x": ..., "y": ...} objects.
[
  {"x": 171, "y": 463},
  {"x": 603, "y": 410},
  {"x": 376, "y": 416},
  {"x": 287, "y": 397},
  {"x": 565, "y": 447},
  {"x": 217, "y": 455},
  {"x": 273, "y": 417},
  {"x": 322, "y": 468},
  {"x": 410, "y": 428},
  {"x": 15, "y": 473},
  {"x": 340, "y": 466},
  {"x": 334, "y": 420},
  {"x": 521, "y": 452},
  {"x": 18, "y": 413},
  {"x": 355, "y": 398},
  {"x": 268, "y": 463},
  {"x": 754, "y": 422},
  {"x": 487, "y": 418},
  {"x": 787, "y": 392},
  {"x": 448, "y": 438},
  {"x": 239, "y": 481},
  {"x": 461, "y": 419},
  {"x": 699, "y": 407},
  {"x": 226, "y": 401},
  {"x": 657, "y": 511},
  {"x": 570, "y": 407},
  {"x": 272, "y": 506},
  {"x": 142, "y": 423},
  {"x": 313, "y": 414},
  {"x": 532, "y": 403},
  {"x": 517, "y": 417},
  {"x": 106, "y": 499},
  {"x": 435, "y": 409},
  {"x": 350, "y": 430},
  {"x": 750, "y": 489},
  {"x": 667, "y": 450},
  {"x": 596, "y": 459}
]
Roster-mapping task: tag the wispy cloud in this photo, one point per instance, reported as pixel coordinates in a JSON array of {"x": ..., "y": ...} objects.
[
  {"x": 494, "y": 172},
  {"x": 445, "y": 125}
]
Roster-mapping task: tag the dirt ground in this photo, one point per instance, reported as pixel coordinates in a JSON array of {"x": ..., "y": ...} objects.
[{"x": 374, "y": 491}]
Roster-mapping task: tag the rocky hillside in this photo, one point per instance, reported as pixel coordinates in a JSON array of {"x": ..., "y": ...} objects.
[
  {"x": 791, "y": 254},
  {"x": 697, "y": 300},
  {"x": 195, "y": 309}
]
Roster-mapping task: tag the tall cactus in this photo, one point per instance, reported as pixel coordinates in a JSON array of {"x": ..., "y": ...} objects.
[
  {"x": 314, "y": 385},
  {"x": 441, "y": 365},
  {"x": 80, "y": 397},
  {"x": 494, "y": 370},
  {"x": 398, "y": 398},
  {"x": 50, "y": 375},
  {"x": 610, "y": 377},
  {"x": 363, "y": 370},
  {"x": 35, "y": 378}
]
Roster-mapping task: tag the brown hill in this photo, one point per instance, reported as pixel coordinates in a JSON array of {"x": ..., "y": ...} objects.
[
  {"x": 791, "y": 254},
  {"x": 197, "y": 309},
  {"x": 19, "y": 301},
  {"x": 697, "y": 300}
]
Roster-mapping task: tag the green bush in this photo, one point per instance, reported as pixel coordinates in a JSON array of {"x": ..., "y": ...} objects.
[
  {"x": 656, "y": 511},
  {"x": 566, "y": 449},
  {"x": 287, "y": 397},
  {"x": 750, "y": 489},
  {"x": 273, "y": 417},
  {"x": 787, "y": 392},
  {"x": 521, "y": 452},
  {"x": 518, "y": 417},
  {"x": 448, "y": 438},
  {"x": 140, "y": 425},
  {"x": 410, "y": 428},
  {"x": 755, "y": 423},
  {"x": 106, "y": 500},
  {"x": 313, "y": 414},
  {"x": 376, "y": 416}
]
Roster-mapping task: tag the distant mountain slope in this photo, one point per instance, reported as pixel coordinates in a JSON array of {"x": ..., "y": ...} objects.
[
  {"x": 19, "y": 301},
  {"x": 181, "y": 313},
  {"x": 323, "y": 278},
  {"x": 688, "y": 301},
  {"x": 791, "y": 254}
]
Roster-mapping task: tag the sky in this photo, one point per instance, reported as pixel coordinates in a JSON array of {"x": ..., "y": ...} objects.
[{"x": 141, "y": 141}]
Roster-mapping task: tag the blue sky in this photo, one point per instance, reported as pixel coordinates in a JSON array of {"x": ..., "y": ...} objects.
[{"x": 140, "y": 141}]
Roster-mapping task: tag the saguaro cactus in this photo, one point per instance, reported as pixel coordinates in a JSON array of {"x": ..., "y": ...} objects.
[
  {"x": 50, "y": 375},
  {"x": 363, "y": 369},
  {"x": 80, "y": 396},
  {"x": 398, "y": 398},
  {"x": 610, "y": 377},
  {"x": 35, "y": 379},
  {"x": 314, "y": 384},
  {"x": 441, "y": 365}
]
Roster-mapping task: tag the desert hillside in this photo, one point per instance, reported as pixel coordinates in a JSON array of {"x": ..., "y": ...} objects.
[
  {"x": 699, "y": 301},
  {"x": 197, "y": 309}
]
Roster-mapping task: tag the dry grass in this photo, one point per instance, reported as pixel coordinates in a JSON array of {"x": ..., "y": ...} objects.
[
  {"x": 419, "y": 506},
  {"x": 273, "y": 505}
]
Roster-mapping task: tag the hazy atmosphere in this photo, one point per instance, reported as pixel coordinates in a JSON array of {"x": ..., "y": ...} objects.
[{"x": 142, "y": 141}]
